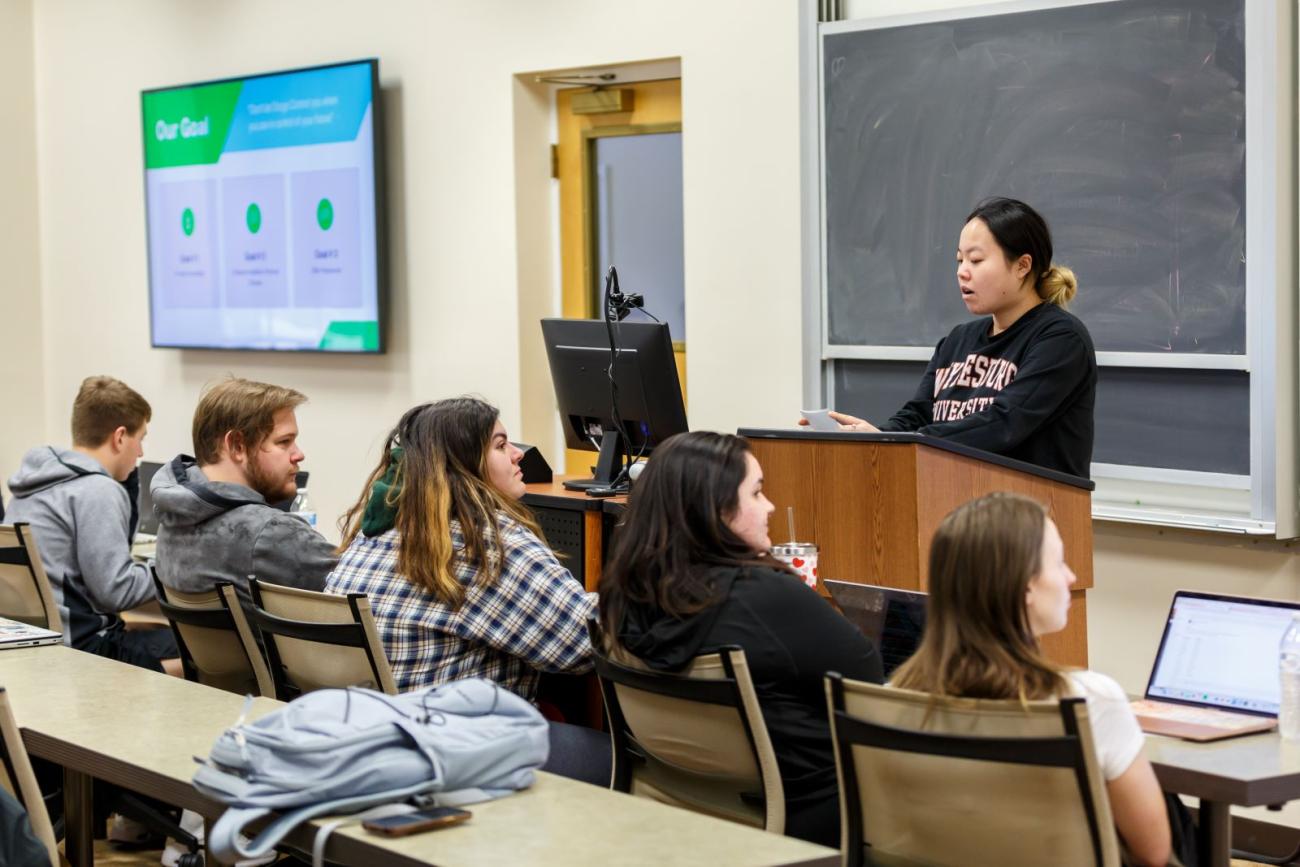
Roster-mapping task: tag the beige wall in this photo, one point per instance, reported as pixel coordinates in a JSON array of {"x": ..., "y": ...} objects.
[
  {"x": 22, "y": 388},
  {"x": 469, "y": 192}
]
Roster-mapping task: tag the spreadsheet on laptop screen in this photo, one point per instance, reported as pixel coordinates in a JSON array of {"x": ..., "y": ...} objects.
[{"x": 1221, "y": 652}]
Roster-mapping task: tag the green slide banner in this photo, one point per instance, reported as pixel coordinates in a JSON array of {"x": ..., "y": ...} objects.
[
  {"x": 189, "y": 126},
  {"x": 351, "y": 336}
]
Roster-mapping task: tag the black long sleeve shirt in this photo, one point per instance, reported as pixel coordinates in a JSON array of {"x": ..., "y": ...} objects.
[
  {"x": 791, "y": 638},
  {"x": 1027, "y": 393}
]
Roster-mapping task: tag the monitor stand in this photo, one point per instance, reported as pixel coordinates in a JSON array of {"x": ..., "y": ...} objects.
[{"x": 606, "y": 465}]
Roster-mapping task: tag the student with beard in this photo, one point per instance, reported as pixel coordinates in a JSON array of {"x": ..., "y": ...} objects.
[{"x": 215, "y": 521}]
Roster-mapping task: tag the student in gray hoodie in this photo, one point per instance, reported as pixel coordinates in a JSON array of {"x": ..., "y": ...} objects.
[
  {"x": 214, "y": 518},
  {"x": 80, "y": 514}
]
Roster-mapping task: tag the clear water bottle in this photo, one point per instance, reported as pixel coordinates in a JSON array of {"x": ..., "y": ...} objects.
[
  {"x": 1288, "y": 717},
  {"x": 302, "y": 507}
]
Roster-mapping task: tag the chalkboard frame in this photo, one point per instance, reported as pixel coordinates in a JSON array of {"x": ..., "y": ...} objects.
[{"x": 1271, "y": 342}]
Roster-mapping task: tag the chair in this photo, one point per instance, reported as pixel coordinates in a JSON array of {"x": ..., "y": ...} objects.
[
  {"x": 695, "y": 740},
  {"x": 318, "y": 640},
  {"x": 216, "y": 643},
  {"x": 18, "y": 778},
  {"x": 24, "y": 588},
  {"x": 950, "y": 781}
]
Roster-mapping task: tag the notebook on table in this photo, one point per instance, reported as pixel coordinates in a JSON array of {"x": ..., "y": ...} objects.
[
  {"x": 893, "y": 619},
  {"x": 1215, "y": 675},
  {"x": 14, "y": 633}
]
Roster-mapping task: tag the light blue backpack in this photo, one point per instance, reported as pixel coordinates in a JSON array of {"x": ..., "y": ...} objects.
[{"x": 343, "y": 750}]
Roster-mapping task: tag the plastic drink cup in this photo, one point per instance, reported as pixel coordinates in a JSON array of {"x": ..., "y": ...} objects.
[{"x": 801, "y": 557}]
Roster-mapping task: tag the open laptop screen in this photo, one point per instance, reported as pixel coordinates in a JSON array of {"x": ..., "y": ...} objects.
[
  {"x": 1221, "y": 651},
  {"x": 893, "y": 619}
]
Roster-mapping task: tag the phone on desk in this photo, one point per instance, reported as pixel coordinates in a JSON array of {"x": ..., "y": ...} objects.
[{"x": 414, "y": 823}]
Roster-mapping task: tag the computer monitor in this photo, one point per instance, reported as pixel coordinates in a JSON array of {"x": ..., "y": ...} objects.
[{"x": 650, "y": 402}]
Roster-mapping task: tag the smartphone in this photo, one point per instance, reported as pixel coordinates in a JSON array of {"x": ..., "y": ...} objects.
[{"x": 413, "y": 823}]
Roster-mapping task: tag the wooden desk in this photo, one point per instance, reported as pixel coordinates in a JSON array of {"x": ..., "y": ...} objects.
[
  {"x": 575, "y": 525},
  {"x": 1249, "y": 771},
  {"x": 140, "y": 729}
]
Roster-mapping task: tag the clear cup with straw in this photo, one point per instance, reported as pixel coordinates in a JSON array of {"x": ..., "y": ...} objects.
[{"x": 799, "y": 556}]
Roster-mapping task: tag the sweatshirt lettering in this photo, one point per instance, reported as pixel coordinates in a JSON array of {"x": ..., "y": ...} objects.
[{"x": 977, "y": 371}]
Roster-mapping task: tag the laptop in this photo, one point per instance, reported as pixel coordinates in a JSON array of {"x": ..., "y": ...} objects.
[
  {"x": 893, "y": 619},
  {"x": 1215, "y": 674},
  {"x": 148, "y": 528},
  {"x": 14, "y": 633}
]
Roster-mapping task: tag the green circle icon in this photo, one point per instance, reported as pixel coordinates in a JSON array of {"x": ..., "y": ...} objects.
[
  {"x": 325, "y": 214},
  {"x": 187, "y": 222},
  {"x": 253, "y": 217}
]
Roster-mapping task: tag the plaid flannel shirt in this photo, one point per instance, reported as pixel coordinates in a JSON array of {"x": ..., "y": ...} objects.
[{"x": 532, "y": 618}]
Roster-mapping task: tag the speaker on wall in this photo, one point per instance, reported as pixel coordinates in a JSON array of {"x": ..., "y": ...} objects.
[{"x": 536, "y": 469}]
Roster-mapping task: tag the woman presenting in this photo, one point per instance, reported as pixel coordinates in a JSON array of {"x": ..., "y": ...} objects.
[{"x": 1020, "y": 381}]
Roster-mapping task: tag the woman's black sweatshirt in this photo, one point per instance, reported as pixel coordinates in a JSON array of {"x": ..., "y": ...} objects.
[
  {"x": 1027, "y": 393},
  {"x": 791, "y": 638}
]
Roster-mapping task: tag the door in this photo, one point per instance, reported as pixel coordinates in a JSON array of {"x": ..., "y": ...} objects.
[{"x": 619, "y": 163}]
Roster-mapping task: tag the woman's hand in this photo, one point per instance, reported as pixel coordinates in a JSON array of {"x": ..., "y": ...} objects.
[{"x": 849, "y": 422}]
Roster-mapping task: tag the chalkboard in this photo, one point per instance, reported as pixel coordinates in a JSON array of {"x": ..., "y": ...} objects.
[
  {"x": 1122, "y": 122},
  {"x": 1194, "y": 420}
]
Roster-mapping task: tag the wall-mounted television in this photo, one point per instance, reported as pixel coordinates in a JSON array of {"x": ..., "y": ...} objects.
[{"x": 263, "y": 197}]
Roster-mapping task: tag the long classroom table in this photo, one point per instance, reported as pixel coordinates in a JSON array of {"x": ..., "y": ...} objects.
[{"x": 139, "y": 729}]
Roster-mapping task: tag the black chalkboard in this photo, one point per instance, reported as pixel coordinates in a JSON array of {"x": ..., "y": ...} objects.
[{"x": 1122, "y": 122}]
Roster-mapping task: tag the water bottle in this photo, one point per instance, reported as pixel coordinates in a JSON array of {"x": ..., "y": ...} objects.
[
  {"x": 301, "y": 507},
  {"x": 1288, "y": 717}
]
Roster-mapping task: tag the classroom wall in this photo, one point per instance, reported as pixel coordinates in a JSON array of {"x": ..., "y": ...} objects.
[
  {"x": 22, "y": 388},
  {"x": 470, "y": 276}
]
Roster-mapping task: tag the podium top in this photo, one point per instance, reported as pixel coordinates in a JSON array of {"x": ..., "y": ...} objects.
[{"x": 918, "y": 439}]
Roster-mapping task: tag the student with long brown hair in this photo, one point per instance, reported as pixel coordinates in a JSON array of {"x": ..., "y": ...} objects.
[
  {"x": 459, "y": 580},
  {"x": 998, "y": 583},
  {"x": 690, "y": 573}
]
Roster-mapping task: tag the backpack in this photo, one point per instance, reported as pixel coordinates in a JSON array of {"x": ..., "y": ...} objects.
[{"x": 342, "y": 750}]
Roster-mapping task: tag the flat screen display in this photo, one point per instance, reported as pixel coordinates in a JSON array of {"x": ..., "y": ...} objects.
[{"x": 263, "y": 204}]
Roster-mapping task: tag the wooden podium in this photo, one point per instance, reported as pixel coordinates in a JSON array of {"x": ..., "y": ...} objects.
[{"x": 871, "y": 503}]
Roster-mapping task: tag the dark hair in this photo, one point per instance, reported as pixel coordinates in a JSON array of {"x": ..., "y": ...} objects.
[
  {"x": 441, "y": 474},
  {"x": 103, "y": 405},
  {"x": 1020, "y": 231},
  {"x": 675, "y": 529},
  {"x": 978, "y": 642}
]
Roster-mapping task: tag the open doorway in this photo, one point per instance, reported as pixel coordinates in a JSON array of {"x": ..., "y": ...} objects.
[{"x": 619, "y": 164}]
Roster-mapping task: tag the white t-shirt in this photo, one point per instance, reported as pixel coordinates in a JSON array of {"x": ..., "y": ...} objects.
[{"x": 1115, "y": 732}]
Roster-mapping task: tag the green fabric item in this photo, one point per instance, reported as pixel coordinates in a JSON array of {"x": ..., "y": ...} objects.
[{"x": 380, "y": 516}]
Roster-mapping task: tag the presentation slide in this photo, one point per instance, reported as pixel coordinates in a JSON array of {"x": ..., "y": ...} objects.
[{"x": 262, "y": 226}]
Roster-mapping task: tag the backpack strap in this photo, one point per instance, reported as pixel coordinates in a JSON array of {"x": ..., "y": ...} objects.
[{"x": 224, "y": 834}]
